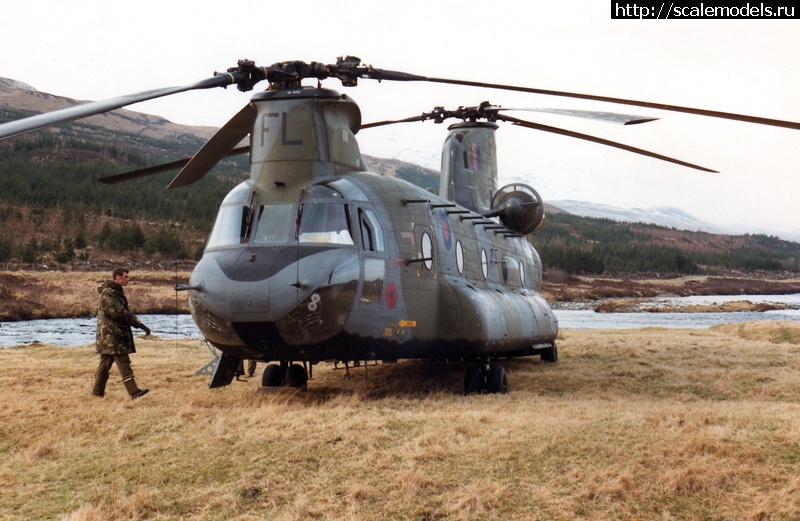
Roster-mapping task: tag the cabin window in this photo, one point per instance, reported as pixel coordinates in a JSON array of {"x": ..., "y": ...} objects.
[
  {"x": 371, "y": 231},
  {"x": 426, "y": 248},
  {"x": 484, "y": 264},
  {"x": 326, "y": 223},
  {"x": 275, "y": 222},
  {"x": 460, "y": 257}
]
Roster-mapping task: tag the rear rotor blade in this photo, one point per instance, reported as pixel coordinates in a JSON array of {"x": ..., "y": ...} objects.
[
  {"x": 218, "y": 147},
  {"x": 609, "y": 117},
  {"x": 593, "y": 139},
  {"x": 380, "y": 74},
  {"x": 412, "y": 119}
]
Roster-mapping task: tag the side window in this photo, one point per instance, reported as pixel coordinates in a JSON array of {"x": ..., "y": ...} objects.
[
  {"x": 374, "y": 274},
  {"x": 371, "y": 231}
]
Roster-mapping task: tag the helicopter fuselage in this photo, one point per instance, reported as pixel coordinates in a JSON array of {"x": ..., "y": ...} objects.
[{"x": 369, "y": 268}]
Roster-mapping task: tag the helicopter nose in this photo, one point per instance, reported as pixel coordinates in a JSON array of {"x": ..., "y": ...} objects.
[
  {"x": 242, "y": 286},
  {"x": 305, "y": 290}
]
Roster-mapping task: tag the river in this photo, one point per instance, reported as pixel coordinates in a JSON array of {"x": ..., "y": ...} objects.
[{"x": 80, "y": 331}]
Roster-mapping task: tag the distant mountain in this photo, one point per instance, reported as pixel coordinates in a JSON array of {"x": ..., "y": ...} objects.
[
  {"x": 22, "y": 98},
  {"x": 667, "y": 217}
]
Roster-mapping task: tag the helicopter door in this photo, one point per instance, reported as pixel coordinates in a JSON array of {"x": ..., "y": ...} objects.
[
  {"x": 373, "y": 258},
  {"x": 323, "y": 235}
]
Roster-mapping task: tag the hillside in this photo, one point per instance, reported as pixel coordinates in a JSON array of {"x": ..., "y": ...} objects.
[
  {"x": 54, "y": 211},
  {"x": 587, "y": 245}
]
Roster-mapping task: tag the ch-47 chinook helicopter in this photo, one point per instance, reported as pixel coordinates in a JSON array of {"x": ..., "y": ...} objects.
[{"x": 313, "y": 258}]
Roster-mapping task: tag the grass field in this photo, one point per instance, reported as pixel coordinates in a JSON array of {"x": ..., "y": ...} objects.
[{"x": 632, "y": 424}]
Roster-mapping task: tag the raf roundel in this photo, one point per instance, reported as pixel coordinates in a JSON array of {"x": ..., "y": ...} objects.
[{"x": 391, "y": 296}]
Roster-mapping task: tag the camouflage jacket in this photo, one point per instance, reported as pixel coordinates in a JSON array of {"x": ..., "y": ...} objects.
[{"x": 114, "y": 321}]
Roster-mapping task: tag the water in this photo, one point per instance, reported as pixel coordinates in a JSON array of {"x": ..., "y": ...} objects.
[
  {"x": 588, "y": 319},
  {"x": 80, "y": 331}
]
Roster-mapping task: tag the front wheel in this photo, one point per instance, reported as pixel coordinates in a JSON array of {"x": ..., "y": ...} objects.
[
  {"x": 297, "y": 377},
  {"x": 273, "y": 376}
]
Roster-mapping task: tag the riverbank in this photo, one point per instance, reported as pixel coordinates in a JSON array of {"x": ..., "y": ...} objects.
[
  {"x": 647, "y": 424},
  {"x": 31, "y": 295}
]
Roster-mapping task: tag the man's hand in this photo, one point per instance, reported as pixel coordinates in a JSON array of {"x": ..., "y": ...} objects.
[{"x": 145, "y": 329}]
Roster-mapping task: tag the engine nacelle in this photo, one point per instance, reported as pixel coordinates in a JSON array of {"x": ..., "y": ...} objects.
[{"x": 519, "y": 207}]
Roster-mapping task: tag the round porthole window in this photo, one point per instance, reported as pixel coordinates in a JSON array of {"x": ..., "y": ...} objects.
[
  {"x": 460, "y": 257},
  {"x": 484, "y": 263},
  {"x": 427, "y": 251}
]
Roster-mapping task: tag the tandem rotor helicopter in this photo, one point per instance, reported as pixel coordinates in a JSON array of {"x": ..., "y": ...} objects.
[{"x": 314, "y": 258}]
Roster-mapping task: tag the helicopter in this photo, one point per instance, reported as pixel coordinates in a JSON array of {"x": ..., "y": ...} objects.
[{"x": 315, "y": 259}]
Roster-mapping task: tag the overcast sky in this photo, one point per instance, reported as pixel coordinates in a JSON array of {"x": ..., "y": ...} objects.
[{"x": 92, "y": 50}]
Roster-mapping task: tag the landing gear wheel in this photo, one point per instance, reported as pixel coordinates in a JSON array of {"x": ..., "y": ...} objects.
[
  {"x": 473, "y": 380},
  {"x": 497, "y": 381},
  {"x": 273, "y": 376},
  {"x": 550, "y": 354},
  {"x": 297, "y": 377}
]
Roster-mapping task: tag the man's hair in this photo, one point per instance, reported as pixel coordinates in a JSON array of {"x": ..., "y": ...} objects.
[{"x": 118, "y": 272}]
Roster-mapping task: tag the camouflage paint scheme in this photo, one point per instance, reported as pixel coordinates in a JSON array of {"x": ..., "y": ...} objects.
[{"x": 408, "y": 275}]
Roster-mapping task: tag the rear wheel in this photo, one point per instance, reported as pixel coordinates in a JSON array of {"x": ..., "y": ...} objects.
[
  {"x": 550, "y": 354},
  {"x": 498, "y": 382}
]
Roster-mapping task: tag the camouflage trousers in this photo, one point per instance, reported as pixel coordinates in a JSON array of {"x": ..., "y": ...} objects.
[{"x": 101, "y": 375}]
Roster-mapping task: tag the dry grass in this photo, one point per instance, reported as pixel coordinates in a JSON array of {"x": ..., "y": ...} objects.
[{"x": 638, "y": 424}]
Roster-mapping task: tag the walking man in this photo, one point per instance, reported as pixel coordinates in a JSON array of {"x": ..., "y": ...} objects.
[{"x": 114, "y": 337}]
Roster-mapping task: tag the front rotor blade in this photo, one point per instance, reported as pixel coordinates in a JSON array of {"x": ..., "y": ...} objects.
[
  {"x": 40, "y": 121},
  {"x": 166, "y": 167},
  {"x": 601, "y": 141},
  {"x": 217, "y": 148},
  {"x": 397, "y": 76}
]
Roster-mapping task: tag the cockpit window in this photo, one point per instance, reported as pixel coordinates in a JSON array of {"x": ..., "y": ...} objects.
[
  {"x": 235, "y": 218},
  {"x": 231, "y": 227},
  {"x": 275, "y": 222},
  {"x": 326, "y": 223}
]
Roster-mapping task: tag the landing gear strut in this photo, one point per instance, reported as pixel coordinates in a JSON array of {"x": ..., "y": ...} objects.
[
  {"x": 485, "y": 378},
  {"x": 285, "y": 375}
]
